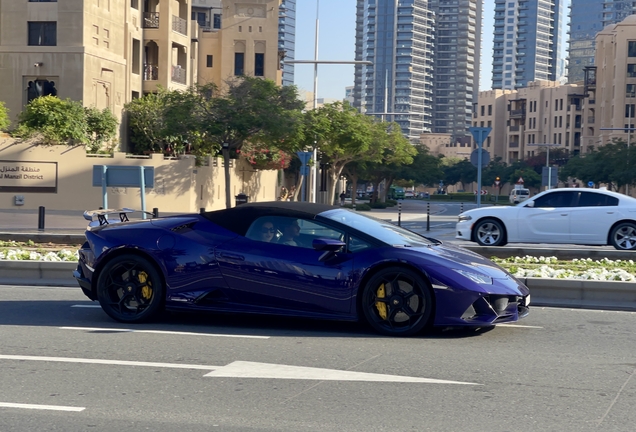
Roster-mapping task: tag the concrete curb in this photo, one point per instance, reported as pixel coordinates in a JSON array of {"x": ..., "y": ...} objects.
[
  {"x": 37, "y": 273},
  {"x": 544, "y": 292}
]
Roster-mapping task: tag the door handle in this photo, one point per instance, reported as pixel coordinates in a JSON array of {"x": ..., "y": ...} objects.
[{"x": 232, "y": 256}]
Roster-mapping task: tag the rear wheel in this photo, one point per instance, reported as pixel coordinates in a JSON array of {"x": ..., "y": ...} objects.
[
  {"x": 397, "y": 302},
  {"x": 490, "y": 232},
  {"x": 130, "y": 289},
  {"x": 623, "y": 236}
]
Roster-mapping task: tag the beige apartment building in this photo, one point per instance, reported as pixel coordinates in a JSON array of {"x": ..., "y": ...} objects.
[
  {"x": 544, "y": 112},
  {"x": 610, "y": 85},
  {"x": 108, "y": 52}
]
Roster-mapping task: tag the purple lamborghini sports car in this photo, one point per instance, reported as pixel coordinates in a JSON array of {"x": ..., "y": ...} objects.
[{"x": 293, "y": 259}]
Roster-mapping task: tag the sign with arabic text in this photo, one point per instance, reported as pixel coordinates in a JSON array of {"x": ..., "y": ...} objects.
[{"x": 27, "y": 176}]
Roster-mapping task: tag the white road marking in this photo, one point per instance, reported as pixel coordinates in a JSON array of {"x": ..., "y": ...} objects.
[
  {"x": 41, "y": 407},
  {"x": 242, "y": 369},
  {"x": 518, "y": 326},
  {"x": 87, "y": 306},
  {"x": 165, "y": 332},
  {"x": 107, "y": 362}
]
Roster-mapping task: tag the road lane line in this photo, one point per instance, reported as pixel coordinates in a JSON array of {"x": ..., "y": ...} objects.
[
  {"x": 518, "y": 326},
  {"x": 107, "y": 362},
  {"x": 164, "y": 332},
  {"x": 41, "y": 407}
]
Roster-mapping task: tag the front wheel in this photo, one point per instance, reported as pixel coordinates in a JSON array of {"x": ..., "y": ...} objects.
[
  {"x": 397, "y": 302},
  {"x": 490, "y": 232},
  {"x": 623, "y": 236},
  {"x": 130, "y": 289}
]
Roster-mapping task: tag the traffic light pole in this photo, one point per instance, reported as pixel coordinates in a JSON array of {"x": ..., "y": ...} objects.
[{"x": 479, "y": 134}]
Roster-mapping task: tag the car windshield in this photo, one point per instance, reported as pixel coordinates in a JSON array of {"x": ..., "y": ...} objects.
[{"x": 381, "y": 230}]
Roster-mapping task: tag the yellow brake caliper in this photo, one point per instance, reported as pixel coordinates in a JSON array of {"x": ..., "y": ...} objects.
[
  {"x": 380, "y": 306},
  {"x": 146, "y": 290}
]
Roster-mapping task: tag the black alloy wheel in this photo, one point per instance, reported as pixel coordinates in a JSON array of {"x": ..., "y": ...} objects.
[
  {"x": 623, "y": 236},
  {"x": 130, "y": 289},
  {"x": 489, "y": 232},
  {"x": 397, "y": 302}
]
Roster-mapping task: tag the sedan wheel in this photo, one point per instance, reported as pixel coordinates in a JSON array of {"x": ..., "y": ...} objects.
[
  {"x": 623, "y": 236},
  {"x": 489, "y": 232},
  {"x": 129, "y": 289},
  {"x": 397, "y": 302}
]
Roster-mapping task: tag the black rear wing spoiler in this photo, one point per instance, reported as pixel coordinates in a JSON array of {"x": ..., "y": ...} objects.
[{"x": 102, "y": 215}]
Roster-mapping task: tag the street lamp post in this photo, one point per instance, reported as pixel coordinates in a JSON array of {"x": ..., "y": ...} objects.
[
  {"x": 547, "y": 158},
  {"x": 316, "y": 62}
]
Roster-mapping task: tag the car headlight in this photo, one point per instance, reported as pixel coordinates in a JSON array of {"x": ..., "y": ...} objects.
[
  {"x": 464, "y": 218},
  {"x": 475, "y": 277}
]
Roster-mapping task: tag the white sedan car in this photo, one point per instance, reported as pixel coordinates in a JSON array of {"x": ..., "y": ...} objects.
[{"x": 567, "y": 215}]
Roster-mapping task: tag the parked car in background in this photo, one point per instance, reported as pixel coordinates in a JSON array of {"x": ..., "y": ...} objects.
[
  {"x": 409, "y": 194},
  {"x": 519, "y": 195},
  {"x": 566, "y": 215}
]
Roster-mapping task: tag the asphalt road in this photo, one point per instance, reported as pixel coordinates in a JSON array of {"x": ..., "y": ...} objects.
[{"x": 65, "y": 366}]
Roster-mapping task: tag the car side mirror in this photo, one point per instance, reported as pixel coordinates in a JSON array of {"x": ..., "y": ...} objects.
[
  {"x": 328, "y": 246},
  {"x": 530, "y": 204}
]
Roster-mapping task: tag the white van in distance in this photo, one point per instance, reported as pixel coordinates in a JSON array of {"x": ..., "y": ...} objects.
[{"x": 518, "y": 195}]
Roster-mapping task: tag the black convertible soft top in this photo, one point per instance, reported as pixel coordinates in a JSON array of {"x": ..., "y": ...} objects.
[{"x": 238, "y": 219}]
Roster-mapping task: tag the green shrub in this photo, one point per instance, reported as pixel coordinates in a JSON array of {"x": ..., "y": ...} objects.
[
  {"x": 359, "y": 207},
  {"x": 59, "y": 121},
  {"x": 4, "y": 117},
  {"x": 379, "y": 205},
  {"x": 391, "y": 202}
]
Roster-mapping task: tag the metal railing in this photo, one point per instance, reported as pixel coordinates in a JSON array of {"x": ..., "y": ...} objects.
[
  {"x": 151, "y": 20},
  {"x": 179, "y": 74},
  {"x": 179, "y": 25},
  {"x": 151, "y": 72}
]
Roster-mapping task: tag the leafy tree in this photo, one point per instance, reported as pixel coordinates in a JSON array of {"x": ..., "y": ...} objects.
[
  {"x": 57, "y": 121},
  {"x": 462, "y": 172},
  {"x": 342, "y": 134},
  {"x": 4, "y": 117},
  {"x": 101, "y": 126},
  {"x": 250, "y": 110},
  {"x": 146, "y": 121},
  {"x": 425, "y": 169}
]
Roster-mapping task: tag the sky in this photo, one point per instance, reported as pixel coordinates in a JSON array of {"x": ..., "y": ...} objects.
[{"x": 336, "y": 41}]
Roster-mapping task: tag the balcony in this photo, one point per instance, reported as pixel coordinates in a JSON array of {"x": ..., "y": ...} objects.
[
  {"x": 151, "y": 20},
  {"x": 179, "y": 75},
  {"x": 151, "y": 72},
  {"x": 516, "y": 113},
  {"x": 591, "y": 119},
  {"x": 513, "y": 144},
  {"x": 179, "y": 25},
  {"x": 514, "y": 128}
]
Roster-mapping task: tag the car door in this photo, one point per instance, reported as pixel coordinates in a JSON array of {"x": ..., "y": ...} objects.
[
  {"x": 269, "y": 275},
  {"x": 548, "y": 221},
  {"x": 592, "y": 217}
]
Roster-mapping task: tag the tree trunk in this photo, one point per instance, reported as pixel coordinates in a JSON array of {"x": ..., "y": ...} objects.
[
  {"x": 334, "y": 174},
  {"x": 354, "y": 187},
  {"x": 226, "y": 169}
]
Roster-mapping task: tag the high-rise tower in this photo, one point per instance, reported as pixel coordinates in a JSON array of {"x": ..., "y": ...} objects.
[
  {"x": 397, "y": 37},
  {"x": 587, "y": 18},
  {"x": 527, "y": 42},
  {"x": 287, "y": 37}
]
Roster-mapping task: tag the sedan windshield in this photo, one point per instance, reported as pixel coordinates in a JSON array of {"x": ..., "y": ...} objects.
[{"x": 381, "y": 230}]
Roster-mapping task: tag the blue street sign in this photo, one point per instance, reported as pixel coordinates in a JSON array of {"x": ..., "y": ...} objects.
[
  {"x": 304, "y": 157},
  {"x": 479, "y": 134},
  {"x": 590, "y": 184}
]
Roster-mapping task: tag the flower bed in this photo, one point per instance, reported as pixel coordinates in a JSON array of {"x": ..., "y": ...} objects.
[
  {"x": 521, "y": 267},
  {"x": 582, "y": 269}
]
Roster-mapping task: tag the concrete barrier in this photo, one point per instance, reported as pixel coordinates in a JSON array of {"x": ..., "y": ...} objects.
[
  {"x": 544, "y": 292},
  {"x": 41, "y": 273}
]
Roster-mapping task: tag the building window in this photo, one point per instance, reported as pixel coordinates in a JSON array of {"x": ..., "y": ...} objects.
[
  {"x": 629, "y": 110},
  {"x": 136, "y": 56},
  {"x": 482, "y": 110},
  {"x": 42, "y": 33},
  {"x": 39, "y": 88},
  {"x": 631, "y": 49},
  {"x": 489, "y": 109},
  {"x": 135, "y": 5},
  {"x": 217, "y": 21},
  {"x": 631, "y": 90},
  {"x": 259, "y": 64},
  {"x": 631, "y": 70},
  {"x": 239, "y": 64},
  {"x": 208, "y": 61}
]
